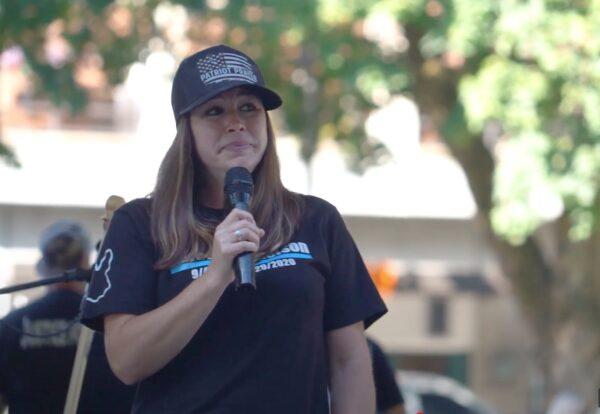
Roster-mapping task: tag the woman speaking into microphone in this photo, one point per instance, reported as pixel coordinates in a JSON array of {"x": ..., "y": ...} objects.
[{"x": 162, "y": 291}]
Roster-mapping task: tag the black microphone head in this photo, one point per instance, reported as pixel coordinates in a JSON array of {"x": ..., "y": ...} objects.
[
  {"x": 238, "y": 180},
  {"x": 238, "y": 191}
]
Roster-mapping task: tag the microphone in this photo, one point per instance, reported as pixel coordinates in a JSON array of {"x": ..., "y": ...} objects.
[
  {"x": 81, "y": 275},
  {"x": 238, "y": 191}
]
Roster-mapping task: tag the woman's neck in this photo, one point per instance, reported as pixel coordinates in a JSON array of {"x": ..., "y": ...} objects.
[{"x": 212, "y": 195}]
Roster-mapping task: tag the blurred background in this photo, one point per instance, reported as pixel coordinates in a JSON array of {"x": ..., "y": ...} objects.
[{"x": 460, "y": 139}]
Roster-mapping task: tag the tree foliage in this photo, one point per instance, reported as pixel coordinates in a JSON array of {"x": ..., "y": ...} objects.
[{"x": 57, "y": 36}]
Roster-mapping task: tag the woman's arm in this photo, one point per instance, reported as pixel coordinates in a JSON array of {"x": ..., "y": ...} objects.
[
  {"x": 137, "y": 346},
  {"x": 350, "y": 370}
]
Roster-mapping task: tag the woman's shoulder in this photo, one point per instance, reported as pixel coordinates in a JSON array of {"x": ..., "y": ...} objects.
[
  {"x": 318, "y": 206},
  {"x": 134, "y": 216},
  {"x": 137, "y": 205},
  {"x": 137, "y": 209}
]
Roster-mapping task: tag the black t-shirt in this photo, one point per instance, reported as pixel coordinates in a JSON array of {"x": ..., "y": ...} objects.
[
  {"x": 387, "y": 392},
  {"x": 35, "y": 372},
  {"x": 102, "y": 392},
  {"x": 257, "y": 352}
]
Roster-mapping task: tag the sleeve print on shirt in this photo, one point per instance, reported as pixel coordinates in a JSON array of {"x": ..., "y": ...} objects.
[{"x": 106, "y": 258}]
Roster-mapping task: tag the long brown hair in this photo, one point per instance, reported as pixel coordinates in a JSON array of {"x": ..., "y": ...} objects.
[{"x": 180, "y": 235}]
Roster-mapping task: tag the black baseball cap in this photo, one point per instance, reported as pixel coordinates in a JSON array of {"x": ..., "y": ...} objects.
[
  {"x": 63, "y": 244},
  {"x": 209, "y": 72}
]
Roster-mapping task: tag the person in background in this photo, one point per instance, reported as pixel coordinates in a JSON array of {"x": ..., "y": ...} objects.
[
  {"x": 35, "y": 370},
  {"x": 113, "y": 202},
  {"x": 111, "y": 205},
  {"x": 162, "y": 288},
  {"x": 387, "y": 393}
]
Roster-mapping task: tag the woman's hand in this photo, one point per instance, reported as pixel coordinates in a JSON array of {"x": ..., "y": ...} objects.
[
  {"x": 237, "y": 234},
  {"x": 139, "y": 345}
]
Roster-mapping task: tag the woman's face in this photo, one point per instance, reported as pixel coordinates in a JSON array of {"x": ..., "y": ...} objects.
[{"x": 229, "y": 131}]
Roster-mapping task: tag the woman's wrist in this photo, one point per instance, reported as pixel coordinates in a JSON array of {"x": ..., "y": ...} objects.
[{"x": 216, "y": 279}]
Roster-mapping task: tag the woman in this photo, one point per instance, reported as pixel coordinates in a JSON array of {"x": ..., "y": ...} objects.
[{"x": 162, "y": 290}]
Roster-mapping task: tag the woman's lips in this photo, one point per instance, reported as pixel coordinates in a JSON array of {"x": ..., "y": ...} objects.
[{"x": 237, "y": 146}]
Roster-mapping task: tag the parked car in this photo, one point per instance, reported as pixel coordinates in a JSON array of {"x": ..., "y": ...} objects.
[{"x": 436, "y": 394}]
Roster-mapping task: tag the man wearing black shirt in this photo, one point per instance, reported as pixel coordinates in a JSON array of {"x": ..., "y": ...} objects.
[
  {"x": 387, "y": 394},
  {"x": 35, "y": 369}
]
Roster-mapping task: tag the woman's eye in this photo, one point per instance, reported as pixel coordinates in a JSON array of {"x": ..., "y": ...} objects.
[
  {"x": 215, "y": 110},
  {"x": 248, "y": 107}
]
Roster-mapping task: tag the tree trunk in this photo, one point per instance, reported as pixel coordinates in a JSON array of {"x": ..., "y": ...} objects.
[{"x": 531, "y": 277}]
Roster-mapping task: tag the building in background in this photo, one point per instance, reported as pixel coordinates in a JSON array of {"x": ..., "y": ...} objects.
[{"x": 450, "y": 311}]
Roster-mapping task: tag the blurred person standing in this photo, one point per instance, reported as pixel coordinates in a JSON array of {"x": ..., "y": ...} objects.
[
  {"x": 163, "y": 290},
  {"x": 113, "y": 202},
  {"x": 387, "y": 393},
  {"x": 35, "y": 370}
]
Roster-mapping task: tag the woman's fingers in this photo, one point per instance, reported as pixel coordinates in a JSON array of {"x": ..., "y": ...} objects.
[
  {"x": 240, "y": 225},
  {"x": 241, "y": 231},
  {"x": 240, "y": 247},
  {"x": 246, "y": 232},
  {"x": 236, "y": 215},
  {"x": 238, "y": 233}
]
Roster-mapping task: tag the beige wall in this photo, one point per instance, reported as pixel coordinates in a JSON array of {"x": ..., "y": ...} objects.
[
  {"x": 456, "y": 243},
  {"x": 20, "y": 225},
  {"x": 489, "y": 329},
  {"x": 405, "y": 328}
]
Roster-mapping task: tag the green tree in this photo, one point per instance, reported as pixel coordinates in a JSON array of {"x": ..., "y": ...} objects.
[
  {"x": 316, "y": 65},
  {"x": 513, "y": 88},
  {"x": 113, "y": 32}
]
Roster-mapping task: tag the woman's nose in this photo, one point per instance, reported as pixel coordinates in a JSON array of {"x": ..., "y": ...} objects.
[{"x": 234, "y": 122}]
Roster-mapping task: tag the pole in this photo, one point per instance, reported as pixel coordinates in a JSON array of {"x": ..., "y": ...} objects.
[
  {"x": 86, "y": 335},
  {"x": 84, "y": 344}
]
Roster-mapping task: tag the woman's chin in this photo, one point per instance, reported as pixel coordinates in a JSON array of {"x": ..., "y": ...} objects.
[{"x": 250, "y": 165}]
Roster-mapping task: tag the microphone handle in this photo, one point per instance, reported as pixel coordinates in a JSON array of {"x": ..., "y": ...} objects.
[
  {"x": 243, "y": 264},
  {"x": 242, "y": 205}
]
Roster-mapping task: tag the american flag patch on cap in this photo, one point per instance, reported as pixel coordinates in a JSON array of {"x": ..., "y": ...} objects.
[
  {"x": 221, "y": 67},
  {"x": 209, "y": 72}
]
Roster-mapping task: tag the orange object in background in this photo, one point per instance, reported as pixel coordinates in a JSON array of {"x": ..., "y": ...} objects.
[{"x": 385, "y": 275}]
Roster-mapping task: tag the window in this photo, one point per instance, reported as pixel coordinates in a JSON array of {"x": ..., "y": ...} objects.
[{"x": 438, "y": 316}]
